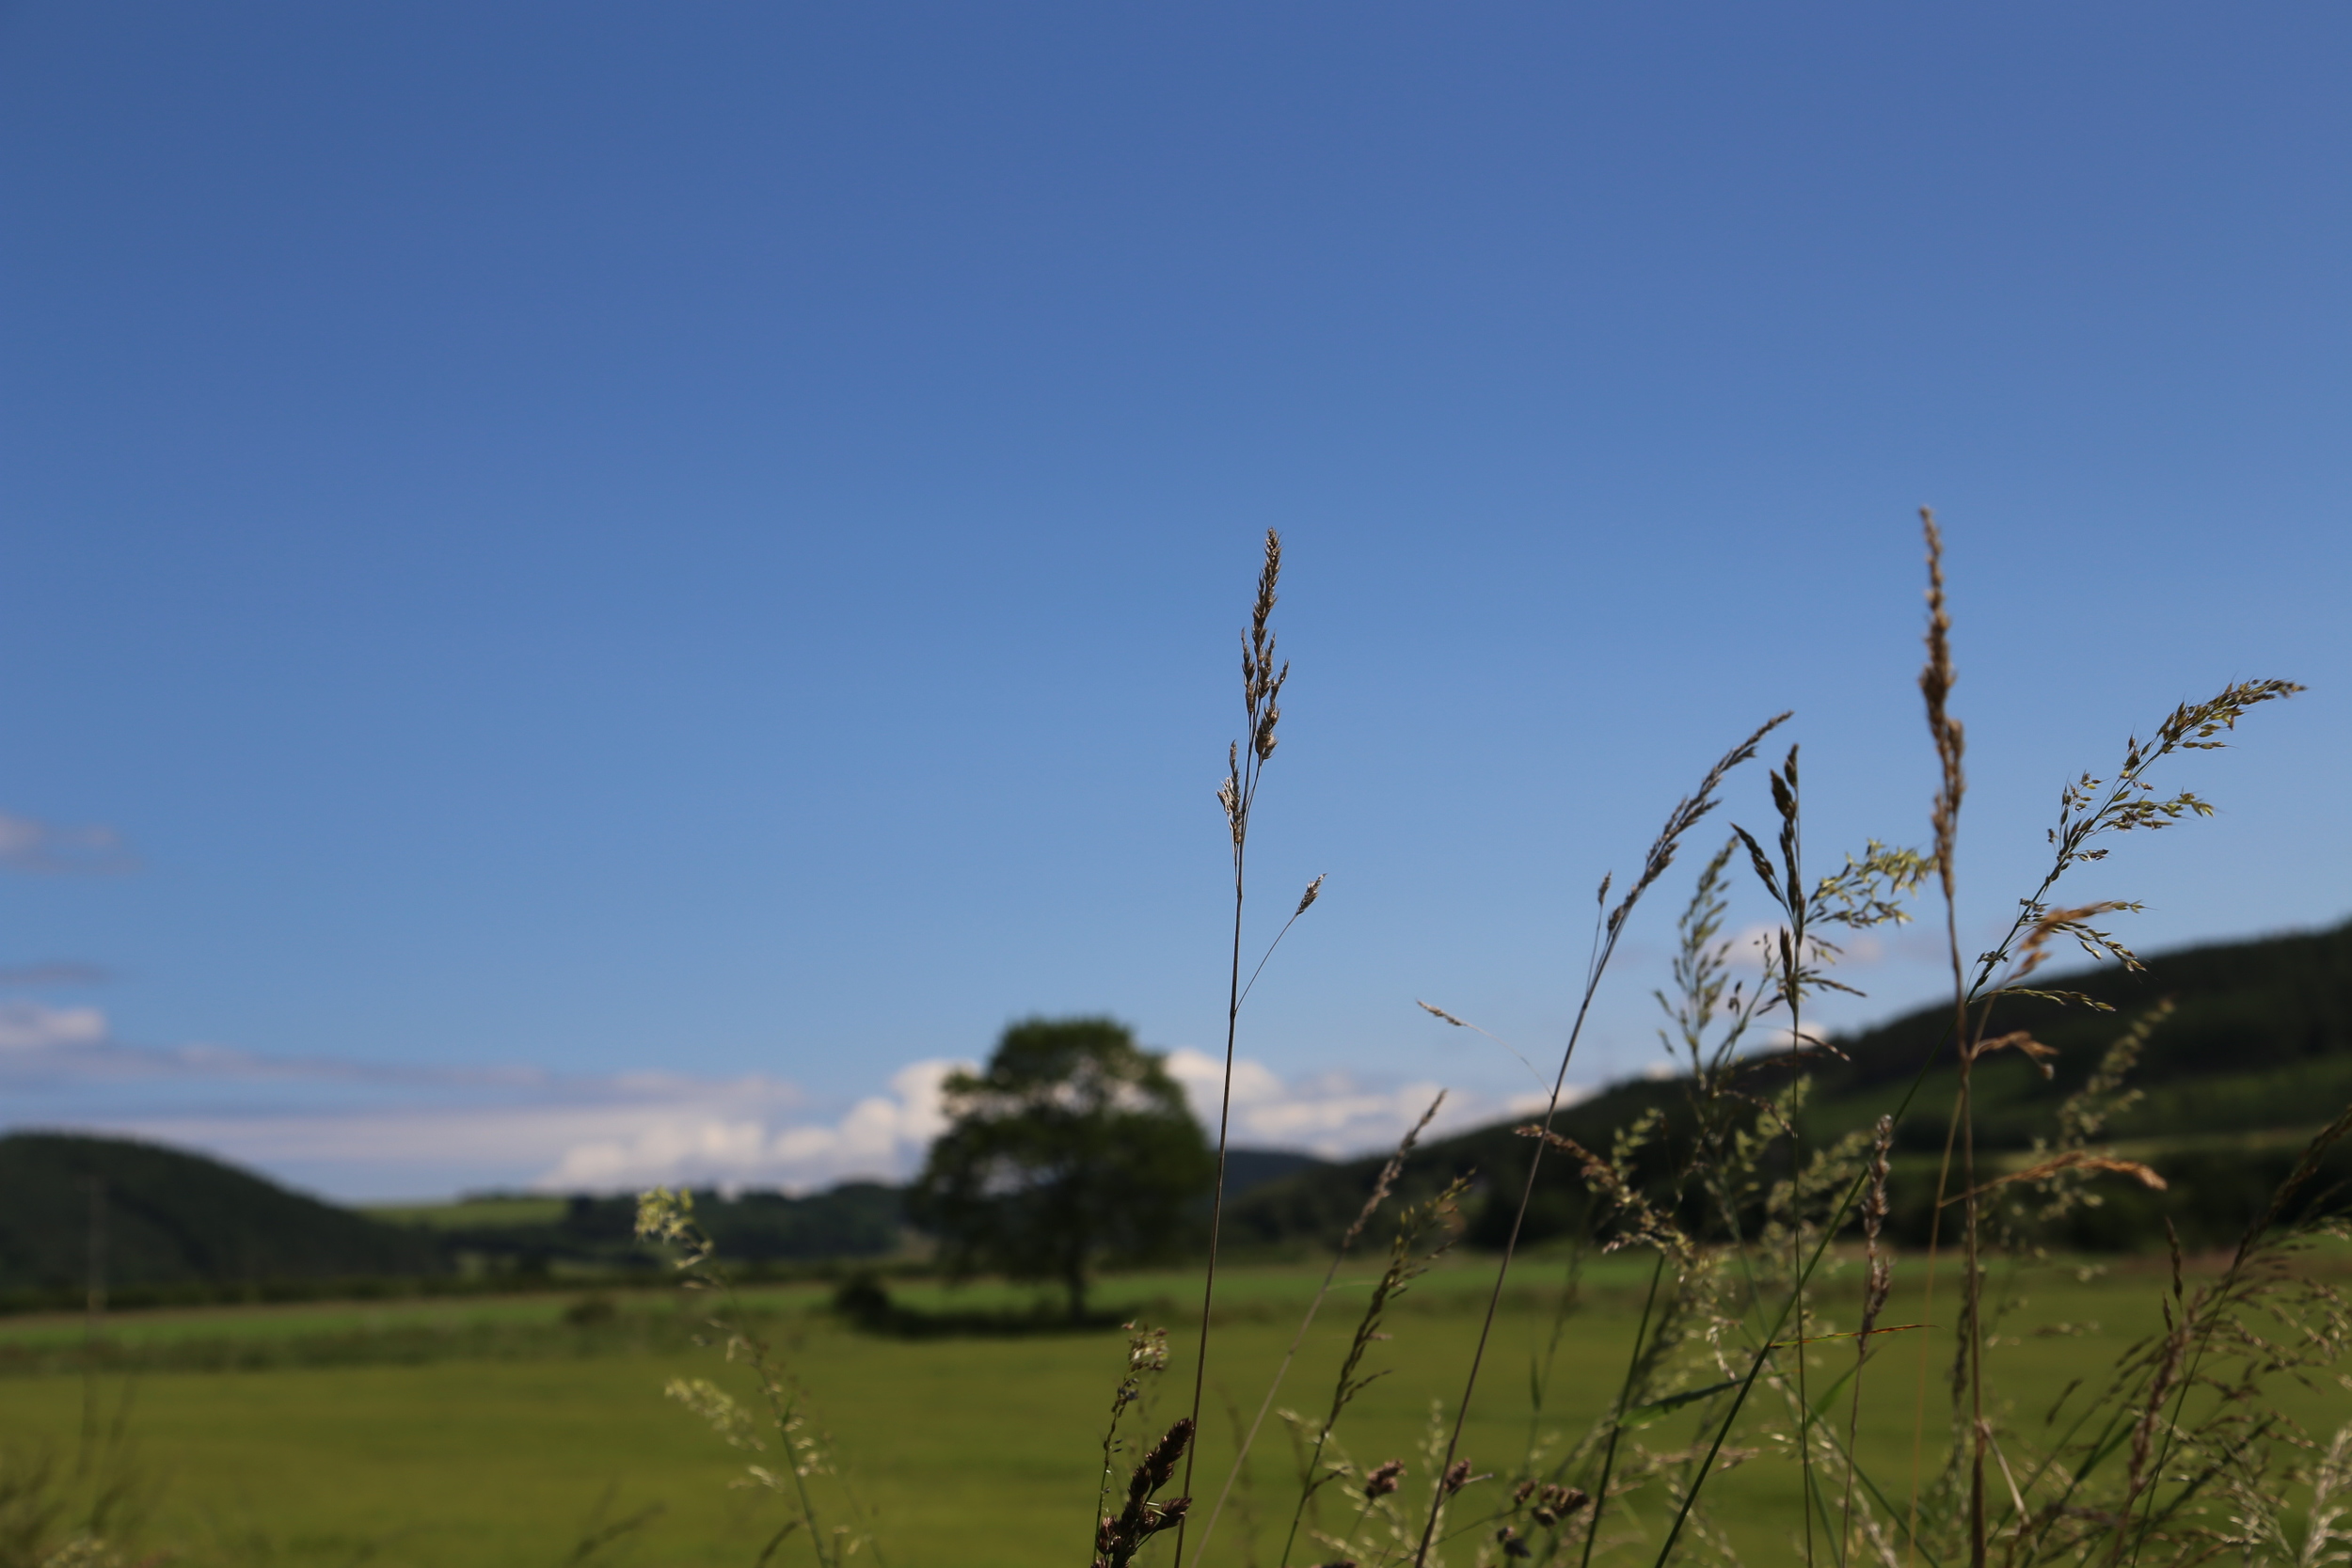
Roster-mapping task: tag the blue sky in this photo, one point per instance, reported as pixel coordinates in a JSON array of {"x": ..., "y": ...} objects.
[{"x": 590, "y": 587}]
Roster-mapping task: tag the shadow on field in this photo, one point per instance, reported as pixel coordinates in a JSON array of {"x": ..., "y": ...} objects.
[{"x": 865, "y": 1304}]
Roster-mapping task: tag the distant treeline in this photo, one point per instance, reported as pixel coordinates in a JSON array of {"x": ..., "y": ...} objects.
[
  {"x": 153, "y": 1226},
  {"x": 855, "y": 1220},
  {"x": 2256, "y": 1054},
  {"x": 148, "y": 1225}
]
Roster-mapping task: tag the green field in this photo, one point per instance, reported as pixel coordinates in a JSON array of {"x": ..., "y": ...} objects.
[
  {"x": 497, "y": 1432},
  {"x": 472, "y": 1214}
]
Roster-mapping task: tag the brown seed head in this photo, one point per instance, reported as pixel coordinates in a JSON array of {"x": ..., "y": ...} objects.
[
  {"x": 1874, "y": 1200},
  {"x": 1384, "y": 1479},
  {"x": 1315, "y": 890},
  {"x": 1685, "y": 816},
  {"x": 1935, "y": 684},
  {"x": 1160, "y": 1464}
]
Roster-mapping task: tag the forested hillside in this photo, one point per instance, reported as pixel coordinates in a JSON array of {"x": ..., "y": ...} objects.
[
  {"x": 2255, "y": 1054},
  {"x": 171, "y": 1224},
  {"x": 164, "y": 1217}
]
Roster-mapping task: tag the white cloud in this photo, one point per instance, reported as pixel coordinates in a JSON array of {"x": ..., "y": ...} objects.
[
  {"x": 29, "y": 1026},
  {"x": 1330, "y": 1113},
  {"x": 882, "y": 1136},
  {"x": 362, "y": 1131}
]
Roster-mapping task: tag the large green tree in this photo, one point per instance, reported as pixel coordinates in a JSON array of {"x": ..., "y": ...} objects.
[{"x": 1072, "y": 1149}]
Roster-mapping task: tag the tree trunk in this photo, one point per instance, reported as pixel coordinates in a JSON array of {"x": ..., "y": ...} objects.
[{"x": 1074, "y": 1281}]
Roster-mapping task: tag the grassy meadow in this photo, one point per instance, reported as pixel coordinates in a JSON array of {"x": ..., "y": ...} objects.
[
  {"x": 2039, "y": 1410},
  {"x": 516, "y": 1431}
]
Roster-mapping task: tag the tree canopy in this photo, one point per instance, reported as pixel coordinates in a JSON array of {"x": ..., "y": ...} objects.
[{"x": 1072, "y": 1149}]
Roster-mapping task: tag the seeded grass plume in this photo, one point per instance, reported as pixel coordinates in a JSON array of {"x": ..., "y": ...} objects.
[{"x": 1261, "y": 683}]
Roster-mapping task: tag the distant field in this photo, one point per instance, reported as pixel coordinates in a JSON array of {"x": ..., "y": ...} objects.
[
  {"x": 476, "y": 1214},
  {"x": 978, "y": 1452}
]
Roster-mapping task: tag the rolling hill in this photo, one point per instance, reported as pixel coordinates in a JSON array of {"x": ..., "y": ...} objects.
[
  {"x": 2255, "y": 1056},
  {"x": 171, "y": 1218}
]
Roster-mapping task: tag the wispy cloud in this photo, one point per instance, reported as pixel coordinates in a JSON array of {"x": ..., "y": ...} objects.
[
  {"x": 44, "y": 1044},
  {"x": 30, "y": 1029},
  {"x": 359, "y": 1130},
  {"x": 62, "y": 973},
  {"x": 1330, "y": 1114},
  {"x": 28, "y": 844}
]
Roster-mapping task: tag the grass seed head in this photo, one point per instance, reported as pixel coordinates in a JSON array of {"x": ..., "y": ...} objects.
[{"x": 1935, "y": 684}]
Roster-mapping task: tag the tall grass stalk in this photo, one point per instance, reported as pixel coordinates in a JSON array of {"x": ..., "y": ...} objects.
[
  {"x": 1411, "y": 1254},
  {"x": 1686, "y": 815},
  {"x": 1245, "y": 765}
]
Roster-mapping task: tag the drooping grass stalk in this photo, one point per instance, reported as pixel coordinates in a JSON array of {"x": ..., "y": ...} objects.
[
  {"x": 2220, "y": 1293},
  {"x": 1147, "y": 1357},
  {"x": 1261, "y": 691},
  {"x": 1685, "y": 816},
  {"x": 1381, "y": 1187},
  {"x": 667, "y": 1218},
  {"x": 1407, "y": 1263},
  {"x": 1698, "y": 970},
  {"x": 1877, "y": 1282}
]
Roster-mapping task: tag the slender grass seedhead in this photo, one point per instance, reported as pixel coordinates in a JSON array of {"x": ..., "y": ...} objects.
[
  {"x": 1261, "y": 683},
  {"x": 1879, "y": 1280},
  {"x": 1935, "y": 685},
  {"x": 781, "y": 1417},
  {"x": 1687, "y": 814},
  {"x": 1118, "y": 1539},
  {"x": 1147, "y": 1357}
]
